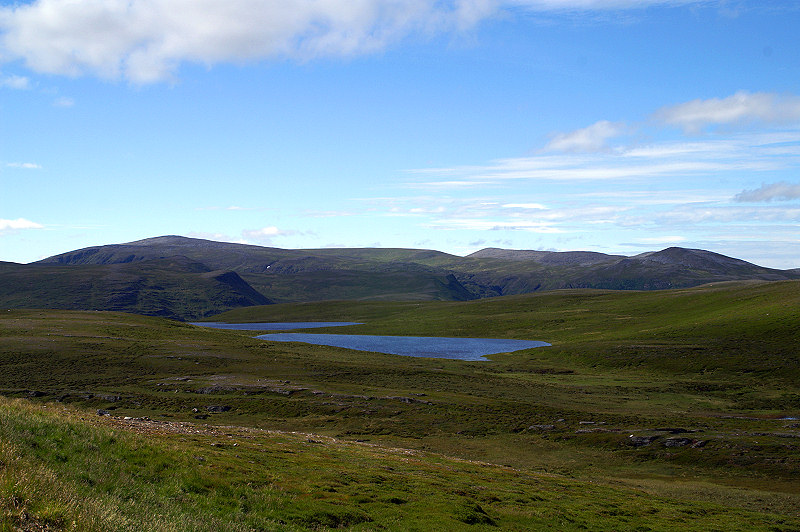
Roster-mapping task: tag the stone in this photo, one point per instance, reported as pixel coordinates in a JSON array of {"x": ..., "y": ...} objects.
[
  {"x": 641, "y": 441},
  {"x": 676, "y": 442}
]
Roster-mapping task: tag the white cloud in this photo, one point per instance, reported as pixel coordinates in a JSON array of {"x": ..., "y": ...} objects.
[
  {"x": 19, "y": 223},
  {"x": 146, "y": 40},
  {"x": 589, "y": 139},
  {"x": 661, "y": 240},
  {"x": 265, "y": 235},
  {"x": 63, "y": 102},
  {"x": 218, "y": 237},
  {"x": 688, "y": 215},
  {"x": 263, "y": 232},
  {"x": 15, "y": 82},
  {"x": 477, "y": 224},
  {"x": 781, "y": 191},
  {"x": 25, "y": 166},
  {"x": 536, "y": 206},
  {"x": 600, "y": 4},
  {"x": 673, "y": 160},
  {"x": 740, "y": 108}
]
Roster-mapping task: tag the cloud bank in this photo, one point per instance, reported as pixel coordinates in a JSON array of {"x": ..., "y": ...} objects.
[{"x": 145, "y": 41}]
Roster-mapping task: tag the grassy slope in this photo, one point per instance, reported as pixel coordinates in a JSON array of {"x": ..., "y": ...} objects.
[
  {"x": 174, "y": 288},
  {"x": 406, "y": 274},
  {"x": 684, "y": 330},
  {"x": 60, "y": 471},
  {"x": 719, "y": 362},
  {"x": 358, "y": 285}
]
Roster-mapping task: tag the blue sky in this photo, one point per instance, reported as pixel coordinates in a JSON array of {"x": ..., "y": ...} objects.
[{"x": 617, "y": 126}]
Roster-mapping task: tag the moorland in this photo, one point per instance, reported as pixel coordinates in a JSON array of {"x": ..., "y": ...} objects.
[{"x": 652, "y": 410}]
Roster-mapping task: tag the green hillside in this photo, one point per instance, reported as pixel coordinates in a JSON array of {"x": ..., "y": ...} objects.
[
  {"x": 174, "y": 288},
  {"x": 63, "y": 472},
  {"x": 652, "y": 410},
  {"x": 424, "y": 275}
]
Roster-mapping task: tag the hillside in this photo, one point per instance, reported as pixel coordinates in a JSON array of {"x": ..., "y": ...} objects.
[
  {"x": 172, "y": 287},
  {"x": 659, "y": 409},
  {"x": 171, "y": 275}
]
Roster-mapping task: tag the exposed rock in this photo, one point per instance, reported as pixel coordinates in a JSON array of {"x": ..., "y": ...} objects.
[
  {"x": 215, "y": 389},
  {"x": 103, "y": 413},
  {"x": 408, "y": 400},
  {"x": 109, "y": 398},
  {"x": 676, "y": 442},
  {"x": 218, "y": 408},
  {"x": 542, "y": 427},
  {"x": 641, "y": 441},
  {"x": 777, "y": 434},
  {"x": 673, "y": 430}
]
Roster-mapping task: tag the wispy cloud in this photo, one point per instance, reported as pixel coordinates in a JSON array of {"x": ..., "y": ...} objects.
[
  {"x": 228, "y": 208},
  {"x": 63, "y": 102},
  {"x": 661, "y": 240},
  {"x": 145, "y": 41},
  {"x": 585, "y": 5},
  {"x": 781, "y": 191},
  {"x": 665, "y": 159},
  {"x": 24, "y": 166},
  {"x": 536, "y": 206},
  {"x": 589, "y": 139},
  {"x": 480, "y": 224},
  {"x": 15, "y": 82},
  {"x": 686, "y": 215},
  {"x": 219, "y": 237},
  {"x": 738, "y": 109},
  {"x": 18, "y": 224},
  {"x": 265, "y": 235}
]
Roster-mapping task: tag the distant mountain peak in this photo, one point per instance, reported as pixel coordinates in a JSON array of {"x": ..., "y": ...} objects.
[
  {"x": 691, "y": 258},
  {"x": 545, "y": 257},
  {"x": 173, "y": 240}
]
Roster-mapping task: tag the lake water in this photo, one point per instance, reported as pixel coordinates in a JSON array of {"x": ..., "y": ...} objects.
[
  {"x": 274, "y": 326},
  {"x": 412, "y": 346}
]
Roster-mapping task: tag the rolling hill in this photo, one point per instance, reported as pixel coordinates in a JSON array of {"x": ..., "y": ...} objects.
[
  {"x": 173, "y": 288},
  {"x": 188, "y": 278}
]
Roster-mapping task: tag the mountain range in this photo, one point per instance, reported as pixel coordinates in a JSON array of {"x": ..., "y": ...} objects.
[{"x": 189, "y": 278}]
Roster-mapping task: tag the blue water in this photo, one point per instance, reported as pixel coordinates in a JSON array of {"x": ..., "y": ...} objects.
[
  {"x": 413, "y": 346},
  {"x": 285, "y": 326}
]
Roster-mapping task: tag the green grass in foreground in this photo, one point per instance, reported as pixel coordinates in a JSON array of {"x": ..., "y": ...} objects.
[{"x": 62, "y": 471}]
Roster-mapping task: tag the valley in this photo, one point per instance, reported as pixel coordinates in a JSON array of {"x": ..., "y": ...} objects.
[{"x": 652, "y": 409}]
